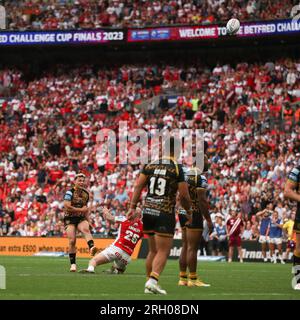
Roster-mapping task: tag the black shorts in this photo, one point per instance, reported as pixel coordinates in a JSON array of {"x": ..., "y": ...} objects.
[
  {"x": 162, "y": 224},
  {"x": 297, "y": 222},
  {"x": 197, "y": 221},
  {"x": 73, "y": 221}
]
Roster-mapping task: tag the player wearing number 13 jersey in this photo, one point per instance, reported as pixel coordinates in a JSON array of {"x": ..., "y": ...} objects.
[
  {"x": 163, "y": 178},
  {"x": 158, "y": 210},
  {"x": 120, "y": 251}
]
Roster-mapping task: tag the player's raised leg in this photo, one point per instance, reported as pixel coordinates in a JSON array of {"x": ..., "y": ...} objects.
[
  {"x": 83, "y": 227},
  {"x": 71, "y": 234}
]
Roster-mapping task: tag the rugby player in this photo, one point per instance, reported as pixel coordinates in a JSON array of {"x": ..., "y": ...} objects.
[
  {"x": 264, "y": 230},
  {"x": 292, "y": 192},
  {"x": 276, "y": 237},
  {"x": 234, "y": 226},
  {"x": 192, "y": 233},
  {"x": 76, "y": 217},
  {"x": 119, "y": 252},
  {"x": 164, "y": 178},
  {"x": 288, "y": 227}
]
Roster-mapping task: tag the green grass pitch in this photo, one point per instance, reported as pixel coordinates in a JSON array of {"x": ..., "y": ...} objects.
[{"x": 49, "y": 278}]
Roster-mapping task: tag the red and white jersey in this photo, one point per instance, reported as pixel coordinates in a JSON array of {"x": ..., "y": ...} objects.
[
  {"x": 234, "y": 226},
  {"x": 130, "y": 232}
]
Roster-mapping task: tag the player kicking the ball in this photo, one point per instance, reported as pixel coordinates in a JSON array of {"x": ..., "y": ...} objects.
[
  {"x": 130, "y": 232},
  {"x": 76, "y": 217}
]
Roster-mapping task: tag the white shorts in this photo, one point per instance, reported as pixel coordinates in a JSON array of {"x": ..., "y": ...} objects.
[
  {"x": 264, "y": 239},
  {"x": 276, "y": 240},
  {"x": 120, "y": 257}
]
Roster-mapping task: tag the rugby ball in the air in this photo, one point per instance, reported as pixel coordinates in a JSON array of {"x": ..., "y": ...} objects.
[{"x": 233, "y": 26}]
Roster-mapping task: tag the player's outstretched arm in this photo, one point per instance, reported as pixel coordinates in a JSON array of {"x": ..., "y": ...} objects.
[{"x": 108, "y": 216}]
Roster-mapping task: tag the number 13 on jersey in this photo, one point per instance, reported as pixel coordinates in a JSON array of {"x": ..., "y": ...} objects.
[{"x": 157, "y": 186}]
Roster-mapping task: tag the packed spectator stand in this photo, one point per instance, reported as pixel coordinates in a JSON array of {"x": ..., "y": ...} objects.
[
  {"x": 83, "y": 14},
  {"x": 48, "y": 128}
]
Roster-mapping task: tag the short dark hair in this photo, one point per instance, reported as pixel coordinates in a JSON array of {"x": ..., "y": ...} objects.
[{"x": 80, "y": 175}]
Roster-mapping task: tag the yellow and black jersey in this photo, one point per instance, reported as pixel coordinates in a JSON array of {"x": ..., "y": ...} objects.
[
  {"x": 195, "y": 181},
  {"x": 163, "y": 178},
  {"x": 289, "y": 227},
  {"x": 79, "y": 198}
]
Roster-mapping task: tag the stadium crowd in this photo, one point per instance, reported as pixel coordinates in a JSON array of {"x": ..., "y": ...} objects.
[
  {"x": 48, "y": 129},
  {"x": 80, "y": 14}
]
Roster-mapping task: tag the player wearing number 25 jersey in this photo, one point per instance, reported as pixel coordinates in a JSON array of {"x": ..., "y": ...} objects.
[
  {"x": 130, "y": 232},
  {"x": 120, "y": 251}
]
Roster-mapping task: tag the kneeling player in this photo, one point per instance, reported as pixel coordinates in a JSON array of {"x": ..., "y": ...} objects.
[{"x": 130, "y": 232}]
